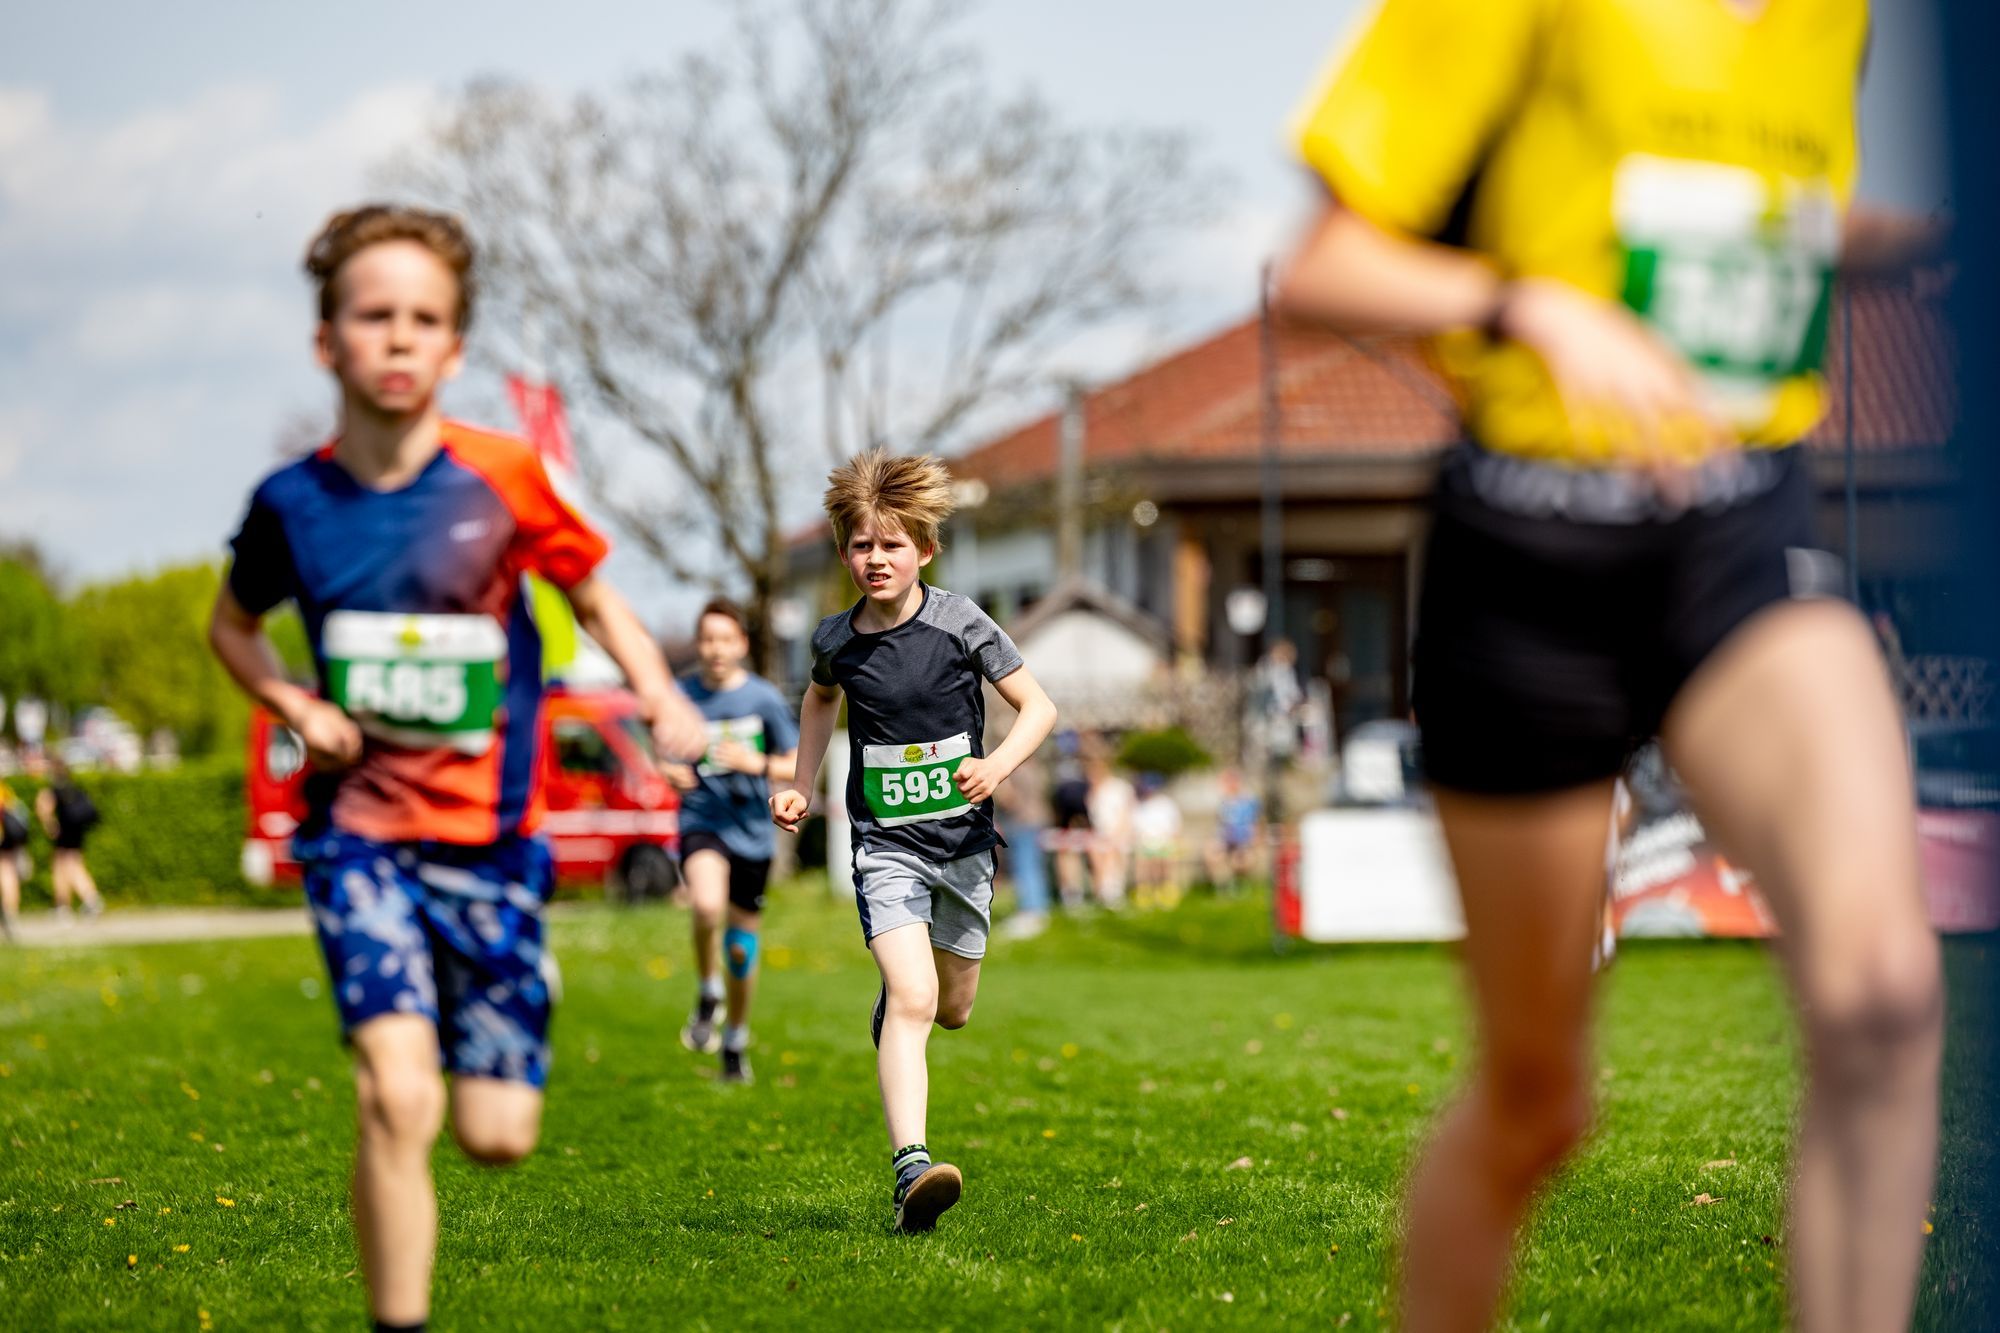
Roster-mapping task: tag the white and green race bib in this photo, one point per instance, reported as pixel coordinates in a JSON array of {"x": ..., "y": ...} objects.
[
  {"x": 909, "y": 784},
  {"x": 427, "y": 682},
  {"x": 1733, "y": 271},
  {"x": 747, "y": 732}
]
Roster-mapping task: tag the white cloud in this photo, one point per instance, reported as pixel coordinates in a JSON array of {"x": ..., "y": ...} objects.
[{"x": 155, "y": 315}]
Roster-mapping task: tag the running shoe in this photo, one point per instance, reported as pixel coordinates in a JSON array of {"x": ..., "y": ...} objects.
[
  {"x": 702, "y": 1033},
  {"x": 919, "y": 1202},
  {"x": 881, "y": 1012},
  {"x": 736, "y": 1067}
]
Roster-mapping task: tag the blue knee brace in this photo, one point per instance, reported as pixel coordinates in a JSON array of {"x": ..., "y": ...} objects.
[{"x": 739, "y": 951}]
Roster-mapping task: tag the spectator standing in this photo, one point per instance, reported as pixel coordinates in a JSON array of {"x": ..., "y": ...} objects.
[
  {"x": 68, "y": 815},
  {"x": 1024, "y": 813}
]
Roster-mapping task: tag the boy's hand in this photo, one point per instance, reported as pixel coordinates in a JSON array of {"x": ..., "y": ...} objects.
[
  {"x": 681, "y": 777},
  {"x": 679, "y": 732},
  {"x": 332, "y": 738},
  {"x": 977, "y": 779},
  {"x": 740, "y": 758},
  {"x": 788, "y": 807}
]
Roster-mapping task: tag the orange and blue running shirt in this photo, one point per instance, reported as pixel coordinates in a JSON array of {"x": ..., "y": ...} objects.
[
  {"x": 1692, "y": 158},
  {"x": 414, "y": 606}
]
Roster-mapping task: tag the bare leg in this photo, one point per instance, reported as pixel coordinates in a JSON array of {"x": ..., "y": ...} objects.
[
  {"x": 741, "y": 989},
  {"x": 904, "y": 957},
  {"x": 1531, "y": 873},
  {"x": 1791, "y": 748},
  {"x": 707, "y": 876},
  {"x": 399, "y": 1097},
  {"x": 59, "y": 880},
  {"x": 86, "y": 884},
  {"x": 494, "y": 1120},
  {"x": 10, "y": 892},
  {"x": 958, "y": 987},
  {"x": 69, "y": 869}
]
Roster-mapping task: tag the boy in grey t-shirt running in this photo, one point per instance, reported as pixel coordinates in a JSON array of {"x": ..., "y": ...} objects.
[{"x": 912, "y": 660}]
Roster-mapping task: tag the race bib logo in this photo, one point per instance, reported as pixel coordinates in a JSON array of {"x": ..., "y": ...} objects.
[
  {"x": 417, "y": 680},
  {"x": 908, "y": 784}
]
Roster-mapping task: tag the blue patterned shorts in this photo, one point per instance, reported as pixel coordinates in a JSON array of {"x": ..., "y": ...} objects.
[{"x": 453, "y": 933}]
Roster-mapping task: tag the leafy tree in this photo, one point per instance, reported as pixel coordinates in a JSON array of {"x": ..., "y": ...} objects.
[
  {"x": 142, "y": 644},
  {"x": 35, "y": 646}
]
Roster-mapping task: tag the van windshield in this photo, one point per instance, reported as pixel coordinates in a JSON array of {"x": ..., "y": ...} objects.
[{"x": 641, "y": 734}]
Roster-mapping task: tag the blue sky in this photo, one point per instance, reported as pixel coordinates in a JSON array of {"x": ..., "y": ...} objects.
[{"x": 161, "y": 167}]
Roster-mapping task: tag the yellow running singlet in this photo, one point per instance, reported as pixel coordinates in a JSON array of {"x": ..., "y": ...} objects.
[{"x": 1691, "y": 158}]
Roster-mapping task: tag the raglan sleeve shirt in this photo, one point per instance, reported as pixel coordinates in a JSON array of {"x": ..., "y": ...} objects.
[{"x": 550, "y": 538}]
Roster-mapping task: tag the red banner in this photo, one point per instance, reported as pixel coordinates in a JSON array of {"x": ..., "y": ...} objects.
[{"x": 544, "y": 421}]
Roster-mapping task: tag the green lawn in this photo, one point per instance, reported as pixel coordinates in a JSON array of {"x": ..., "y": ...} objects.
[{"x": 1161, "y": 1125}]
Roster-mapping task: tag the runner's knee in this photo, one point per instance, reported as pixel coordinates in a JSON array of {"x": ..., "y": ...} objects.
[
  {"x": 1873, "y": 1006},
  {"x": 914, "y": 1001},
  {"x": 1539, "y": 1110},
  {"x": 739, "y": 952},
  {"x": 402, "y": 1106}
]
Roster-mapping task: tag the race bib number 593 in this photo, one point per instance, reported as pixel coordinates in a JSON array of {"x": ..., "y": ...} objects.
[{"x": 911, "y": 783}]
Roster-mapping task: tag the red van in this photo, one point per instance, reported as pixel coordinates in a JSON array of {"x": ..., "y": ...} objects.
[{"x": 612, "y": 819}]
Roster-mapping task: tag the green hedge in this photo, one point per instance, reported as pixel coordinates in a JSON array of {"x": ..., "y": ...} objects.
[
  {"x": 167, "y": 836},
  {"x": 1169, "y": 752}
]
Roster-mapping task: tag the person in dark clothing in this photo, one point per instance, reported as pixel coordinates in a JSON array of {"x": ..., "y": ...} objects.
[{"x": 68, "y": 815}]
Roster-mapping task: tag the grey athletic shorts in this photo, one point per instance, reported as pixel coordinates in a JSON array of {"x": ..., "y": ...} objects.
[{"x": 893, "y": 887}]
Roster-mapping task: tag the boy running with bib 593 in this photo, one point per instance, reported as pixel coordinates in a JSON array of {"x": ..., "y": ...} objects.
[
  {"x": 912, "y": 661},
  {"x": 404, "y": 543}
]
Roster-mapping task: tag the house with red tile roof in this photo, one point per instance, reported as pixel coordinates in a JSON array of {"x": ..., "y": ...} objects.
[{"x": 1171, "y": 466}]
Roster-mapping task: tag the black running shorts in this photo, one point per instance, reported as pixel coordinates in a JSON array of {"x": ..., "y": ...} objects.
[
  {"x": 1561, "y": 613},
  {"x": 747, "y": 878}
]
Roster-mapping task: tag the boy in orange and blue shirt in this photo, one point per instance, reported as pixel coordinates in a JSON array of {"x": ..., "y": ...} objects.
[{"x": 404, "y": 543}]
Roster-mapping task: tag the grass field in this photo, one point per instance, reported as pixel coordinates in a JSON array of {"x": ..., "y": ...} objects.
[{"x": 1161, "y": 1125}]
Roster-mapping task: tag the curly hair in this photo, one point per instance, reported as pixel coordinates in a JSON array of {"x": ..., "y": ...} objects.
[
  {"x": 347, "y": 234},
  {"x": 911, "y": 493}
]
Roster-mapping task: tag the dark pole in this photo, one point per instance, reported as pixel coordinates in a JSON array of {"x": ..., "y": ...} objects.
[
  {"x": 1853, "y": 514},
  {"x": 1272, "y": 510},
  {"x": 1273, "y": 534}
]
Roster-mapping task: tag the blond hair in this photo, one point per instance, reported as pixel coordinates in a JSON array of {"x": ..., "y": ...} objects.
[
  {"x": 911, "y": 493},
  {"x": 347, "y": 234}
]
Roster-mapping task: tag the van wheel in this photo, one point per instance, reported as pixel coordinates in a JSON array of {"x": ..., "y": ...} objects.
[{"x": 646, "y": 874}]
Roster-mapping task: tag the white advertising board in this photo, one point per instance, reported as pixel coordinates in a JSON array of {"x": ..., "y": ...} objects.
[{"x": 1375, "y": 875}]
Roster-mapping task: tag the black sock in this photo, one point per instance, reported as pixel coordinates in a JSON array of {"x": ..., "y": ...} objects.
[
  {"x": 384, "y": 1326},
  {"x": 909, "y": 1163}
]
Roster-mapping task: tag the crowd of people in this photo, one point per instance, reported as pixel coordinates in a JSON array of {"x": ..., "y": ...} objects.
[{"x": 1091, "y": 834}]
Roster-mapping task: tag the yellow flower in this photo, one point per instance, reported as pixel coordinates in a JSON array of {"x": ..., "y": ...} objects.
[
  {"x": 226, "y": 1203},
  {"x": 111, "y": 1221},
  {"x": 1048, "y": 1133},
  {"x": 180, "y": 1249},
  {"x": 131, "y": 1261}
]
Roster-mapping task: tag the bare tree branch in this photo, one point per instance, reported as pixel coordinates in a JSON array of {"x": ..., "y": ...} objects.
[{"x": 825, "y": 235}]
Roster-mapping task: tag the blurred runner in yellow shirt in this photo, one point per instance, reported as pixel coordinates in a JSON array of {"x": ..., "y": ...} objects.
[{"x": 1621, "y": 219}]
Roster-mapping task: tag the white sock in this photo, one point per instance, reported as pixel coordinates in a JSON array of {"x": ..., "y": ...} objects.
[
  {"x": 711, "y": 988},
  {"x": 736, "y": 1038}
]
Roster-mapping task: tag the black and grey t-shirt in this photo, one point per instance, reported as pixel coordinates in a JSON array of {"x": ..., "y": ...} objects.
[{"x": 914, "y": 713}]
